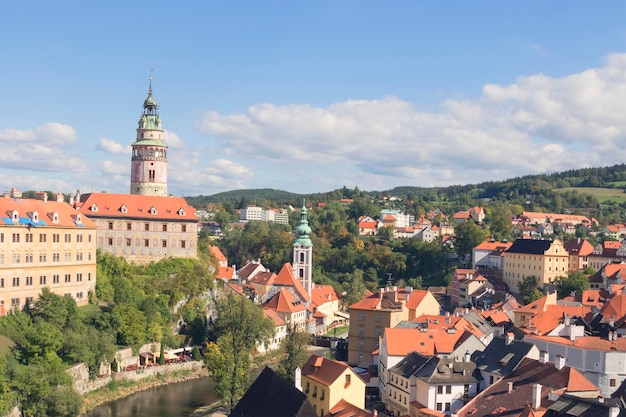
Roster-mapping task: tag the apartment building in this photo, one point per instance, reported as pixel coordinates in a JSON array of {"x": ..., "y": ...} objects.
[{"x": 44, "y": 244}]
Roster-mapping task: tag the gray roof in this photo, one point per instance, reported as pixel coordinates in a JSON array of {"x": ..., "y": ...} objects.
[
  {"x": 409, "y": 365},
  {"x": 437, "y": 370},
  {"x": 501, "y": 359}
]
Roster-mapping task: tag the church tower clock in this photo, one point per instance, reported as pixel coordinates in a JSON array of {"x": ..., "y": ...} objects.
[{"x": 149, "y": 161}]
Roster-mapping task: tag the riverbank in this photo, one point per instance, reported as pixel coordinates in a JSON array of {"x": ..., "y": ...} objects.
[{"x": 120, "y": 389}]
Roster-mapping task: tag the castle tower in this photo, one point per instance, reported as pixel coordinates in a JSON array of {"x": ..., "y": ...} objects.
[
  {"x": 148, "y": 174},
  {"x": 302, "y": 253}
]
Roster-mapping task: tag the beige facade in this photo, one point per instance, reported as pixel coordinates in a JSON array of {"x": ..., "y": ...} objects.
[
  {"x": 140, "y": 228},
  {"x": 326, "y": 382},
  {"x": 541, "y": 258},
  {"x": 44, "y": 244}
]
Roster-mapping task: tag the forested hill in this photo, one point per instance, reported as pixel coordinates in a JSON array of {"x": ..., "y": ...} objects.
[{"x": 609, "y": 177}]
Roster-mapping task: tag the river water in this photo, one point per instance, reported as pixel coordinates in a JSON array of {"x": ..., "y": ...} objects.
[{"x": 173, "y": 400}]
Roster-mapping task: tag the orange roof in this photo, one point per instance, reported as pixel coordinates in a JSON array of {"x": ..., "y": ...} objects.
[
  {"x": 546, "y": 321},
  {"x": 614, "y": 308},
  {"x": 368, "y": 225},
  {"x": 345, "y": 409},
  {"x": 491, "y": 245},
  {"x": 226, "y": 272},
  {"x": 37, "y": 213},
  {"x": 414, "y": 298},
  {"x": 576, "y": 382},
  {"x": 273, "y": 315},
  {"x": 263, "y": 278},
  {"x": 137, "y": 206},
  {"x": 607, "y": 244},
  {"x": 285, "y": 302},
  {"x": 425, "y": 410},
  {"x": 402, "y": 341},
  {"x": 322, "y": 294},
  {"x": 585, "y": 342},
  {"x": 285, "y": 278},
  {"x": 217, "y": 253},
  {"x": 324, "y": 370}
]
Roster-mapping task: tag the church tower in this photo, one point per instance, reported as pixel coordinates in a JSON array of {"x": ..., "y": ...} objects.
[
  {"x": 148, "y": 174},
  {"x": 303, "y": 252}
]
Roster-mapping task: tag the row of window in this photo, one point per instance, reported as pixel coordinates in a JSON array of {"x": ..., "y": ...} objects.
[
  {"x": 146, "y": 227},
  {"x": 362, "y": 316},
  {"x": 43, "y": 280},
  {"x": 43, "y": 238},
  {"x": 29, "y": 258},
  {"x": 156, "y": 243}
]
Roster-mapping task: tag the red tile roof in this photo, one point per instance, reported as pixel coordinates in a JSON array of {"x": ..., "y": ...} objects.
[
  {"x": 273, "y": 315},
  {"x": 345, "y": 409},
  {"x": 217, "y": 253},
  {"x": 286, "y": 278},
  {"x": 323, "y": 370},
  {"x": 322, "y": 294},
  {"x": 26, "y": 208},
  {"x": 137, "y": 206},
  {"x": 285, "y": 302}
]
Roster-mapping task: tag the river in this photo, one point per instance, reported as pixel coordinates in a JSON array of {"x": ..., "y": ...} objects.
[{"x": 173, "y": 400}]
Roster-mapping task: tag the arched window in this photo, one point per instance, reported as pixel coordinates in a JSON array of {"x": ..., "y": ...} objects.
[{"x": 302, "y": 257}]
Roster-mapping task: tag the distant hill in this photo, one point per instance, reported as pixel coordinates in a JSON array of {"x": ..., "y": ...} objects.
[{"x": 538, "y": 190}]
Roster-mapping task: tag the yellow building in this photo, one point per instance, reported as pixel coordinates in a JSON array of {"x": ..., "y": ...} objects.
[
  {"x": 326, "y": 382},
  {"x": 142, "y": 228},
  {"x": 545, "y": 259},
  {"x": 44, "y": 244}
]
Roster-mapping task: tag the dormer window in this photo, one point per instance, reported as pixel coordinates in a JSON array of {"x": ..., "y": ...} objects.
[
  {"x": 153, "y": 210},
  {"x": 54, "y": 216},
  {"x": 79, "y": 218},
  {"x": 14, "y": 216},
  {"x": 94, "y": 207},
  {"x": 35, "y": 216},
  {"x": 124, "y": 209},
  {"x": 181, "y": 211}
]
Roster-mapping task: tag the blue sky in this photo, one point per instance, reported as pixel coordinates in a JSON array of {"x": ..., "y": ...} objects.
[{"x": 310, "y": 96}]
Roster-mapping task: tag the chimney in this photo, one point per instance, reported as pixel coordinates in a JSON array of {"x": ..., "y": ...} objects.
[
  {"x": 559, "y": 362},
  {"x": 536, "y": 396},
  {"x": 298, "y": 378},
  {"x": 467, "y": 356},
  {"x": 381, "y": 291},
  {"x": 510, "y": 387},
  {"x": 508, "y": 338},
  {"x": 612, "y": 321},
  {"x": 408, "y": 289},
  {"x": 567, "y": 319},
  {"x": 544, "y": 356},
  {"x": 614, "y": 411}
]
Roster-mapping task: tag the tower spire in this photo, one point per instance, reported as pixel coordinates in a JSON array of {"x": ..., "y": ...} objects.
[{"x": 303, "y": 252}]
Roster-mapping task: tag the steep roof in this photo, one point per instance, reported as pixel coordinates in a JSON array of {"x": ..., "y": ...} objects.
[
  {"x": 578, "y": 246},
  {"x": 26, "y": 209},
  {"x": 272, "y": 396},
  {"x": 322, "y": 294},
  {"x": 324, "y": 370},
  {"x": 285, "y": 302},
  {"x": 285, "y": 278},
  {"x": 345, "y": 409},
  {"x": 501, "y": 358},
  {"x": 134, "y": 206},
  {"x": 217, "y": 253},
  {"x": 409, "y": 365}
]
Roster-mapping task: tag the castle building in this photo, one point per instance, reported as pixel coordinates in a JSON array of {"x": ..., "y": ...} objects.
[
  {"x": 149, "y": 160},
  {"x": 44, "y": 244},
  {"x": 146, "y": 225}
]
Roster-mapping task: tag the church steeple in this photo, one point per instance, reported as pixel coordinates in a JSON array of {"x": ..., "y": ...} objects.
[
  {"x": 149, "y": 160},
  {"x": 303, "y": 252}
]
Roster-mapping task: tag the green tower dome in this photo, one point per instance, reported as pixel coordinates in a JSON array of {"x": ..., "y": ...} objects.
[{"x": 303, "y": 230}]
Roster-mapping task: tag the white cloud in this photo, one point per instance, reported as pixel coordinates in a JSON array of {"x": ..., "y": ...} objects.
[
  {"x": 536, "y": 124},
  {"x": 536, "y": 49},
  {"x": 50, "y": 147},
  {"x": 112, "y": 147}
]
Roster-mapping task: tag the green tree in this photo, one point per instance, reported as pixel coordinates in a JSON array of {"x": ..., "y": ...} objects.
[
  {"x": 574, "y": 282},
  {"x": 355, "y": 288},
  {"x": 130, "y": 323},
  {"x": 240, "y": 325},
  {"x": 294, "y": 348},
  {"x": 467, "y": 235},
  {"x": 528, "y": 289}
]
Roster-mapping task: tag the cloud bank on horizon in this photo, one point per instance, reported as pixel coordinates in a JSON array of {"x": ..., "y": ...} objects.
[{"x": 536, "y": 124}]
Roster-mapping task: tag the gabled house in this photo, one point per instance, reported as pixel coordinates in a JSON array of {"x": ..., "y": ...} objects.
[
  {"x": 544, "y": 259},
  {"x": 289, "y": 308},
  {"x": 326, "y": 382},
  {"x": 579, "y": 251}
]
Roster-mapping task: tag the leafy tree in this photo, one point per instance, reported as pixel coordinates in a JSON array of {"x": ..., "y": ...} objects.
[
  {"x": 575, "y": 282},
  {"x": 355, "y": 288},
  {"x": 240, "y": 325},
  {"x": 294, "y": 348},
  {"x": 467, "y": 235},
  {"x": 528, "y": 289},
  {"x": 130, "y": 323}
]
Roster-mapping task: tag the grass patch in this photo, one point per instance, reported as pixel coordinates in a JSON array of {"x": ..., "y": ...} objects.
[
  {"x": 602, "y": 194},
  {"x": 337, "y": 331}
]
